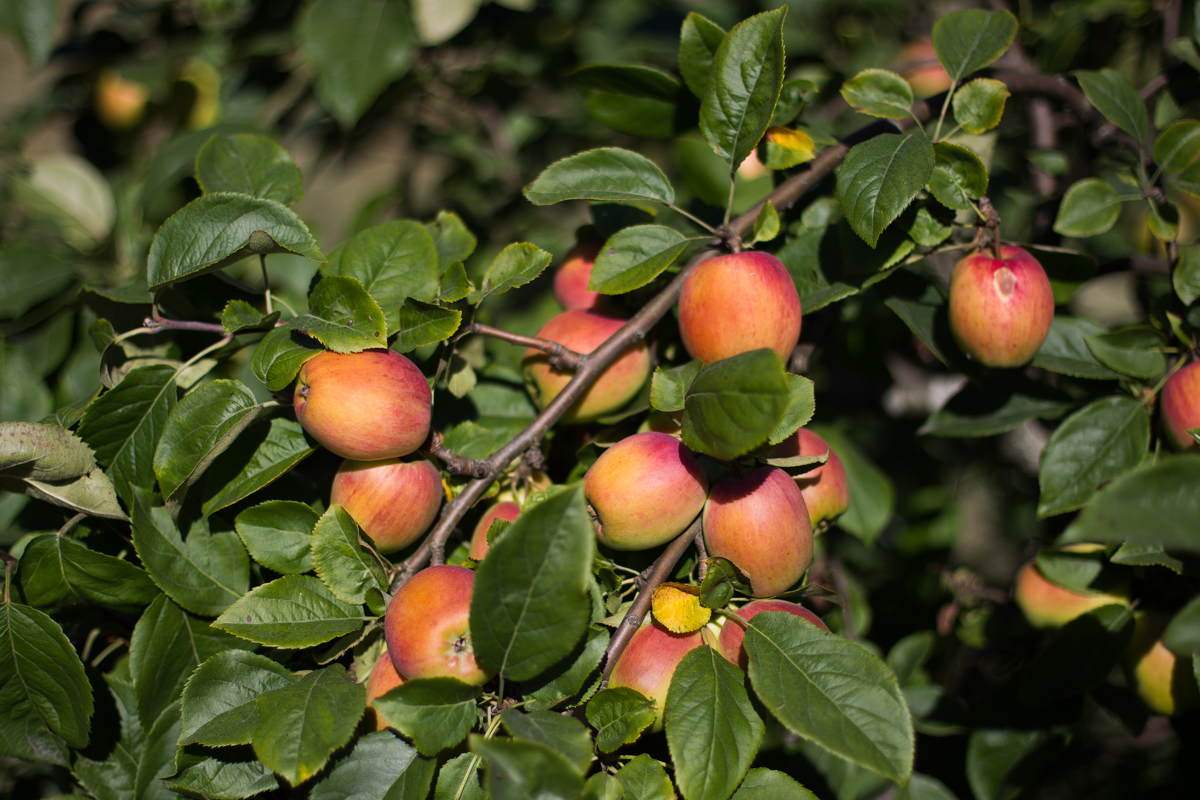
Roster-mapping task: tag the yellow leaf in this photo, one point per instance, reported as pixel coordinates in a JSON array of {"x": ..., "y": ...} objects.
[
  {"x": 787, "y": 147},
  {"x": 677, "y": 608}
]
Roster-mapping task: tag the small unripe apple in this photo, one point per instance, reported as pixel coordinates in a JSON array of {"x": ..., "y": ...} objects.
[
  {"x": 394, "y": 501},
  {"x": 1000, "y": 308},
  {"x": 583, "y": 330},
  {"x": 504, "y": 510},
  {"x": 649, "y": 662},
  {"x": 826, "y": 489},
  {"x": 571, "y": 280},
  {"x": 364, "y": 406},
  {"x": 760, "y": 523},
  {"x": 1180, "y": 405},
  {"x": 736, "y": 303},
  {"x": 645, "y": 490},
  {"x": 729, "y": 643},
  {"x": 427, "y": 625},
  {"x": 1047, "y": 605},
  {"x": 383, "y": 679},
  {"x": 1163, "y": 680}
]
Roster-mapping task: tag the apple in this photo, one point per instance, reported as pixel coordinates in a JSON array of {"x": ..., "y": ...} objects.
[
  {"x": 503, "y": 510},
  {"x": 1000, "y": 308},
  {"x": 1180, "y": 405},
  {"x": 1047, "y": 605},
  {"x": 649, "y": 661},
  {"x": 645, "y": 490},
  {"x": 364, "y": 406},
  {"x": 393, "y": 500},
  {"x": 571, "y": 280},
  {"x": 761, "y": 524},
  {"x": 826, "y": 489},
  {"x": 583, "y": 330},
  {"x": 729, "y": 643},
  {"x": 918, "y": 64},
  {"x": 1163, "y": 680},
  {"x": 427, "y": 625},
  {"x": 119, "y": 103},
  {"x": 736, "y": 303},
  {"x": 383, "y": 679}
]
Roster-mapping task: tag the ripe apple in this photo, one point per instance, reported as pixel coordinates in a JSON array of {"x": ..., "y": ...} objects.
[
  {"x": 119, "y": 103},
  {"x": 826, "y": 490},
  {"x": 571, "y": 280},
  {"x": 427, "y": 625},
  {"x": 583, "y": 330},
  {"x": 729, "y": 643},
  {"x": 761, "y": 524},
  {"x": 504, "y": 510},
  {"x": 1162, "y": 679},
  {"x": 645, "y": 490},
  {"x": 1000, "y": 308},
  {"x": 739, "y": 302},
  {"x": 383, "y": 679},
  {"x": 649, "y": 662},
  {"x": 365, "y": 406},
  {"x": 1048, "y": 605},
  {"x": 1180, "y": 404},
  {"x": 393, "y": 500}
]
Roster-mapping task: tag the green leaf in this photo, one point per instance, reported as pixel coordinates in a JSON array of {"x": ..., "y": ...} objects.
[
  {"x": 994, "y": 406},
  {"x": 42, "y": 451},
  {"x": 68, "y": 192},
  {"x": 1137, "y": 352},
  {"x": 1182, "y": 635},
  {"x": 530, "y": 604},
  {"x": 643, "y": 778},
  {"x": 260, "y": 455},
  {"x": 454, "y": 241},
  {"x": 632, "y": 80},
  {"x": 33, "y": 24},
  {"x": 219, "y": 775},
  {"x": 996, "y": 760},
  {"x": 880, "y": 177},
  {"x": 344, "y": 300},
  {"x": 1079, "y": 657},
  {"x": 713, "y": 731},
  {"x": 923, "y": 787},
  {"x": 380, "y": 766},
  {"x": 299, "y": 726},
  {"x": 29, "y": 275},
  {"x": 1156, "y": 505},
  {"x": 201, "y": 427},
  {"x": 733, "y": 405},
  {"x": 55, "y": 569},
  {"x": 746, "y": 76},
  {"x": 636, "y": 116},
  {"x": 115, "y": 777},
  {"x": 1163, "y": 220},
  {"x": 791, "y": 100},
  {"x": 424, "y": 323},
  {"x": 157, "y": 756},
  {"x": 280, "y": 355},
  {"x": 518, "y": 769},
  {"x": 699, "y": 39},
  {"x": 1186, "y": 276},
  {"x": 607, "y": 173},
  {"x": 568, "y": 677},
  {"x": 958, "y": 176},
  {"x": 203, "y": 574},
  {"x": 91, "y": 494},
  {"x": 668, "y": 386},
  {"x": 1065, "y": 349},
  {"x": 1188, "y": 180},
  {"x": 436, "y": 713},
  {"x": 831, "y": 691},
  {"x": 632, "y": 257},
  {"x": 872, "y": 495},
  {"x": 220, "y": 700},
  {"x": 967, "y": 41},
  {"x": 45, "y": 698},
  {"x": 293, "y": 611},
  {"x": 1178, "y": 145},
  {"x": 619, "y": 717},
  {"x": 516, "y": 265},
  {"x": 1116, "y": 98},
  {"x": 1099, "y": 442},
  {"x": 394, "y": 261},
  {"x": 220, "y": 229},
  {"x": 879, "y": 93},
  {"x": 238, "y": 316},
  {"x": 566, "y": 735},
  {"x": 278, "y": 534},
  {"x": 340, "y": 560},
  {"x": 355, "y": 48},
  {"x": 249, "y": 164},
  {"x": 767, "y": 784},
  {"x": 1067, "y": 269},
  {"x": 454, "y": 285},
  {"x": 979, "y": 104},
  {"x": 801, "y": 406},
  {"x": 1146, "y": 555},
  {"x": 1089, "y": 207},
  {"x": 766, "y": 224}
]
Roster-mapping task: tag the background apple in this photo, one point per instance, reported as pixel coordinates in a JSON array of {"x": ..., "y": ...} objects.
[
  {"x": 1000, "y": 308},
  {"x": 571, "y": 280},
  {"x": 383, "y": 679},
  {"x": 506, "y": 509},
  {"x": 1162, "y": 679},
  {"x": 826, "y": 489},
  {"x": 1048, "y": 605},
  {"x": 427, "y": 625},
  {"x": 1180, "y": 405},
  {"x": 729, "y": 643},
  {"x": 649, "y": 662},
  {"x": 393, "y": 500}
]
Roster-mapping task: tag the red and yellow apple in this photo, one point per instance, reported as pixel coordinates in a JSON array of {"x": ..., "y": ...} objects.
[
  {"x": 1180, "y": 405},
  {"x": 383, "y": 679},
  {"x": 119, "y": 102},
  {"x": 583, "y": 330},
  {"x": 736, "y": 303},
  {"x": 1047, "y": 605},
  {"x": 649, "y": 662},
  {"x": 364, "y": 406},
  {"x": 826, "y": 489},
  {"x": 1000, "y": 308},
  {"x": 571, "y": 280},
  {"x": 645, "y": 490},
  {"x": 1162, "y": 679},
  {"x": 427, "y": 625},
  {"x": 507, "y": 510},
  {"x": 393, "y": 500},
  {"x": 760, "y": 522},
  {"x": 729, "y": 643},
  {"x": 918, "y": 64}
]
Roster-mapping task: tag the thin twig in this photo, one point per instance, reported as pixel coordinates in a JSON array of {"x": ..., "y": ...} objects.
[
  {"x": 457, "y": 464},
  {"x": 560, "y": 356},
  {"x": 162, "y": 324}
]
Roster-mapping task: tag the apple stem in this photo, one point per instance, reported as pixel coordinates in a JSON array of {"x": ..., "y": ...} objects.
[
  {"x": 560, "y": 357},
  {"x": 10, "y": 563},
  {"x": 992, "y": 223}
]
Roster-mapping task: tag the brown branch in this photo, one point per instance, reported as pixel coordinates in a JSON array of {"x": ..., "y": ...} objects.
[
  {"x": 456, "y": 464},
  {"x": 560, "y": 357},
  {"x": 163, "y": 324}
]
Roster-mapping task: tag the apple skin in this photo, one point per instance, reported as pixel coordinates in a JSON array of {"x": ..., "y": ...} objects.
[
  {"x": 1162, "y": 679},
  {"x": 1180, "y": 405},
  {"x": 826, "y": 489},
  {"x": 761, "y": 524},
  {"x": 1047, "y": 605},
  {"x": 736, "y": 303},
  {"x": 729, "y": 643},
  {"x": 649, "y": 662},
  {"x": 645, "y": 490},
  {"x": 918, "y": 64},
  {"x": 427, "y": 625},
  {"x": 383, "y": 679},
  {"x": 364, "y": 406},
  {"x": 119, "y": 103},
  {"x": 571, "y": 280},
  {"x": 583, "y": 330},
  {"x": 504, "y": 510},
  {"x": 394, "y": 501},
  {"x": 1000, "y": 308}
]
